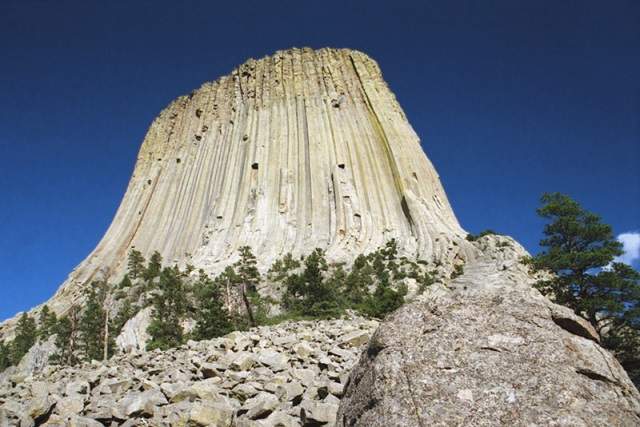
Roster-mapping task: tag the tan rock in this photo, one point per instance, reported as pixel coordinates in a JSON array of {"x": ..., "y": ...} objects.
[
  {"x": 355, "y": 339},
  {"x": 208, "y": 413},
  {"x": 226, "y": 166}
]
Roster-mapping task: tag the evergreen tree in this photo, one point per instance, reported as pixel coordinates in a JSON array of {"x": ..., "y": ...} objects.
[
  {"x": 135, "y": 265},
  {"x": 169, "y": 305},
  {"x": 248, "y": 277},
  {"x": 579, "y": 251},
  {"x": 92, "y": 323},
  {"x": 358, "y": 282},
  {"x": 309, "y": 293},
  {"x": 46, "y": 322},
  {"x": 577, "y": 246},
  {"x": 154, "y": 267},
  {"x": 212, "y": 320},
  {"x": 5, "y": 356},
  {"x": 125, "y": 282},
  {"x": 384, "y": 300},
  {"x": 282, "y": 267},
  {"x": 26, "y": 334},
  {"x": 66, "y": 331}
]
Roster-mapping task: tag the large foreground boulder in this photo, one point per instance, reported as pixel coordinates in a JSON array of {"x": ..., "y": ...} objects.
[{"x": 490, "y": 350}]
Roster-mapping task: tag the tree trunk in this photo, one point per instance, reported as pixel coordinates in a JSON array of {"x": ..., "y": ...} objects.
[
  {"x": 73, "y": 321},
  {"x": 247, "y": 305},
  {"x": 105, "y": 355}
]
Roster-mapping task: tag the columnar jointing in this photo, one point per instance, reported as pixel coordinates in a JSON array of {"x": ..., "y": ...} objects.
[{"x": 302, "y": 149}]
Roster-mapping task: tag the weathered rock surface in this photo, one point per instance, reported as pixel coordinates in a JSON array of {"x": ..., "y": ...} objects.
[
  {"x": 253, "y": 378},
  {"x": 34, "y": 362},
  {"x": 300, "y": 150},
  {"x": 488, "y": 351},
  {"x": 134, "y": 336}
]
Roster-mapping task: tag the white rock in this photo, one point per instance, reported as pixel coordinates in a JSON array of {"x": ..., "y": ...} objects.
[
  {"x": 134, "y": 336},
  {"x": 274, "y": 360}
]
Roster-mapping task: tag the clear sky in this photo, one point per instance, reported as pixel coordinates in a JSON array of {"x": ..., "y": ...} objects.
[{"x": 510, "y": 98}]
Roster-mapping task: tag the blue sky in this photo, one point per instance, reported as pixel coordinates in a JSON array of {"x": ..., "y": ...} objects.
[{"x": 510, "y": 99}]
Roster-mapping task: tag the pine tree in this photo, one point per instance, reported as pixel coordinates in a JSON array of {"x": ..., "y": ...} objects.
[
  {"x": 26, "y": 334},
  {"x": 579, "y": 251},
  {"x": 309, "y": 293},
  {"x": 92, "y": 323},
  {"x": 66, "y": 331},
  {"x": 577, "y": 246},
  {"x": 169, "y": 305},
  {"x": 358, "y": 282},
  {"x": 154, "y": 267},
  {"x": 384, "y": 300},
  {"x": 248, "y": 277},
  {"x": 5, "y": 356},
  {"x": 319, "y": 298},
  {"x": 282, "y": 267},
  {"x": 212, "y": 320},
  {"x": 125, "y": 282},
  {"x": 46, "y": 323},
  {"x": 135, "y": 265}
]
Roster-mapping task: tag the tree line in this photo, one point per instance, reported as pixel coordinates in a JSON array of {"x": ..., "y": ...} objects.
[
  {"x": 578, "y": 249},
  {"x": 313, "y": 288}
]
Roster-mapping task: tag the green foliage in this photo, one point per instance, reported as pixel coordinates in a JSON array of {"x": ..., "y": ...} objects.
[
  {"x": 358, "y": 282},
  {"x": 5, "y": 356},
  {"x": 246, "y": 268},
  {"x": 624, "y": 340},
  {"x": 46, "y": 323},
  {"x": 313, "y": 289},
  {"x": 474, "y": 237},
  {"x": 66, "y": 331},
  {"x": 248, "y": 277},
  {"x": 154, "y": 267},
  {"x": 125, "y": 283},
  {"x": 94, "y": 323},
  {"x": 576, "y": 245},
  {"x": 308, "y": 293},
  {"x": 135, "y": 265},
  {"x": 579, "y": 251},
  {"x": 169, "y": 305},
  {"x": 384, "y": 300},
  {"x": 372, "y": 286},
  {"x": 282, "y": 267},
  {"x": 212, "y": 320},
  {"x": 26, "y": 334}
]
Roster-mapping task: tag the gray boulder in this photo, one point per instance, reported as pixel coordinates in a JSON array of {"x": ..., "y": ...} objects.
[
  {"x": 139, "y": 403},
  {"x": 490, "y": 350}
]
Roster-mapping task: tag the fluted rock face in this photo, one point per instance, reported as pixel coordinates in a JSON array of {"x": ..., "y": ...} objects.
[{"x": 302, "y": 149}]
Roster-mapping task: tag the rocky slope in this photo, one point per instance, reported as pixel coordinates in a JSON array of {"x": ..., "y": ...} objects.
[
  {"x": 488, "y": 350},
  {"x": 289, "y": 375}
]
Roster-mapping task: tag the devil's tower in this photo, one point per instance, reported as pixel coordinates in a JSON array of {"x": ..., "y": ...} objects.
[{"x": 302, "y": 149}]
